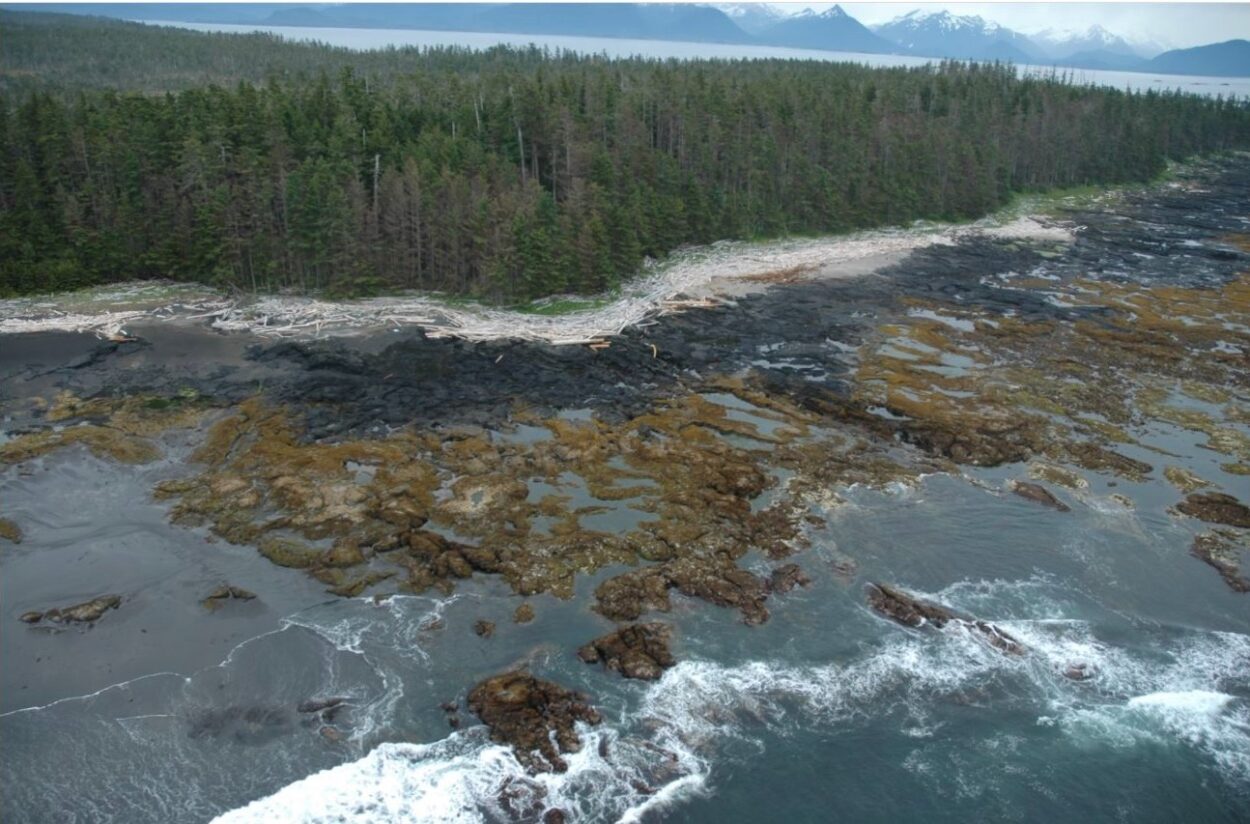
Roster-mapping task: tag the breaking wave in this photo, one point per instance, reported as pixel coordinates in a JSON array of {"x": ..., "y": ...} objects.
[{"x": 1185, "y": 689}]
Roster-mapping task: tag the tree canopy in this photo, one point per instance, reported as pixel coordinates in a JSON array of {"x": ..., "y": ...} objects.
[{"x": 250, "y": 162}]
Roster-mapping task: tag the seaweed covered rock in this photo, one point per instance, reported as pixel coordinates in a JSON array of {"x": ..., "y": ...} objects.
[
  {"x": 628, "y": 596},
  {"x": 1216, "y": 508},
  {"x": 535, "y": 717},
  {"x": 87, "y": 612},
  {"x": 636, "y": 651}
]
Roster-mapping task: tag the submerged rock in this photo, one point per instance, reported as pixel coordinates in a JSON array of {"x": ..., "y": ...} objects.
[
  {"x": 1038, "y": 494},
  {"x": 1216, "y": 508},
  {"x": 524, "y": 614},
  {"x": 787, "y": 577},
  {"x": 535, "y": 717},
  {"x": 636, "y": 651},
  {"x": 484, "y": 628},
  {"x": 319, "y": 704},
  {"x": 85, "y": 613},
  {"x": 242, "y": 724},
  {"x": 915, "y": 612}
]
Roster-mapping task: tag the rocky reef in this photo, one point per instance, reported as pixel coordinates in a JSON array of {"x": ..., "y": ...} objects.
[{"x": 536, "y": 718}]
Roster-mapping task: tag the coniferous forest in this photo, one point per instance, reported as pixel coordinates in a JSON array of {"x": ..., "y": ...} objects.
[{"x": 129, "y": 151}]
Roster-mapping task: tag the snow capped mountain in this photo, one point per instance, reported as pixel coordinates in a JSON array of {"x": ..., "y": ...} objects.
[
  {"x": 832, "y": 29},
  {"x": 1061, "y": 43},
  {"x": 942, "y": 34},
  {"x": 751, "y": 17}
]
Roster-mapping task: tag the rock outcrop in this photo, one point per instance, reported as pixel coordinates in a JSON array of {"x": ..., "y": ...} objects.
[
  {"x": 636, "y": 651},
  {"x": 535, "y": 717},
  {"x": 915, "y": 612},
  {"x": 1038, "y": 494}
]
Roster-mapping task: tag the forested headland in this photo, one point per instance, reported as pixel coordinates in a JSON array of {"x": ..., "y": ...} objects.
[{"x": 128, "y": 151}]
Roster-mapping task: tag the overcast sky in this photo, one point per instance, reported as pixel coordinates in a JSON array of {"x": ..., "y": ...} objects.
[{"x": 1171, "y": 24}]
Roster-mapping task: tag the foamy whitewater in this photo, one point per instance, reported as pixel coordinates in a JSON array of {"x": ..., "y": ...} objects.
[{"x": 665, "y": 750}]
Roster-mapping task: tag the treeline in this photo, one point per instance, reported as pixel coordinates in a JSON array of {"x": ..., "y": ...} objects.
[{"x": 516, "y": 173}]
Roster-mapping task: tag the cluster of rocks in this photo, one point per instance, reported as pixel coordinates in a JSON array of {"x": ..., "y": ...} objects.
[
  {"x": 224, "y": 593},
  {"x": 88, "y": 612},
  {"x": 626, "y": 597}
]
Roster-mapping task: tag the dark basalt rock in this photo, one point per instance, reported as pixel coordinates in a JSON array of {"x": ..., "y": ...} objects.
[
  {"x": 787, "y": 577},
  {"x": 535, "y": 717},
  {"x": 85, "y": 613},
  {"x": 1038, "y": 494},
  {"x": 914, "y": 612},
  {"x": 636, "y": 651},
  {"x": 484, "y": 628},
  {"x": 1216, "y": 508}
]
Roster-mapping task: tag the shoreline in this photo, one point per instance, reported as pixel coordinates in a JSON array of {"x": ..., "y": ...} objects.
[{"x": 688, "y": 279}]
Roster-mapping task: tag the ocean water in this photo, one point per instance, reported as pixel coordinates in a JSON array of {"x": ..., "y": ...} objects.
[
  {"x": 827, "y": 711},
  {"x": 353, "y": 38}
]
